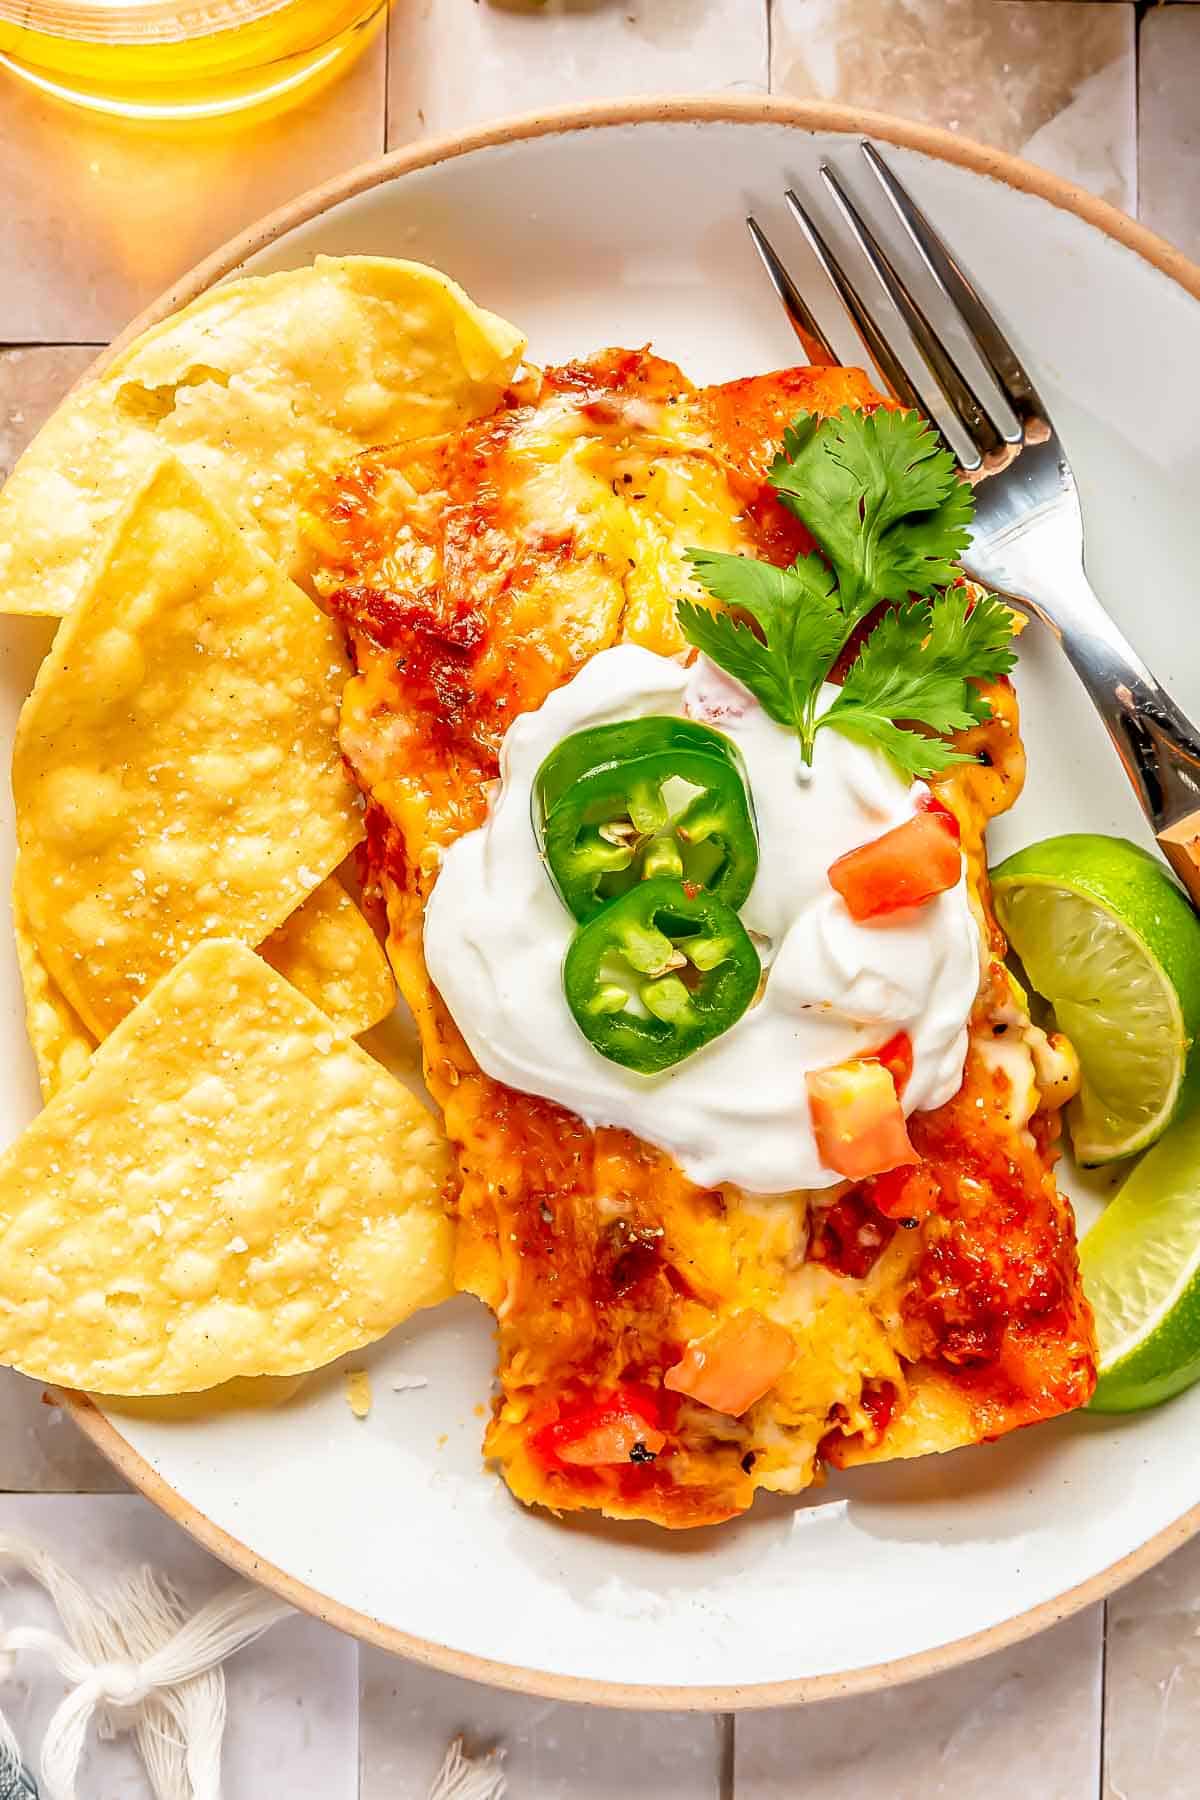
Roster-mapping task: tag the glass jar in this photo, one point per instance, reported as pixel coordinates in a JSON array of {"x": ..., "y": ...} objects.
[{"x": 164, "y": 59}]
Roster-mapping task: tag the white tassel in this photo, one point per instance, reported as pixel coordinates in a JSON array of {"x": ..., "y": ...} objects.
[
  {"x": 10, "y": 1751},
  {"x": 133, "y": 1658},
  {"x": 462, "y": 1778},
  {"x": 134, "y": 1625},
  {"x": 172, "y": 1724},
  {"x": 137, "y": 1663}
]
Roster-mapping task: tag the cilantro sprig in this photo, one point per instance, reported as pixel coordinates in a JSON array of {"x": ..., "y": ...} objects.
[{"x": 890, "y": 515}]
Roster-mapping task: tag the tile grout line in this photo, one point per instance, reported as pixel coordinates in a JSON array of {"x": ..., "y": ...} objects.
[
  {"x": 726, "y": 1752},
  {"x": 75, "y": 1493},
  {"x": 1101, "y": 1770},
  {"x": 359, "y": 1771},
  {"x": 387, "y": 74},
  {"x": 53, "y": 344},
  {"x": 769, "y": 11},
  {"x": 1137, "y": 118}
]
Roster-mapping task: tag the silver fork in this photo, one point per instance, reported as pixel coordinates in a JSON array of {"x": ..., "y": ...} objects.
[{"x": 1027, "y": 540}]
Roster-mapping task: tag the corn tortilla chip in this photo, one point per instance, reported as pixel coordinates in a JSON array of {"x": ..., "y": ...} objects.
[
  {"x": 258, "y": 386},
  {"x": 243, "y": 1394},
  {"x": 176, "y": 768},
  {"x": 62, "y": 1044},
  {"x": 233, "y": 1188},
  {"x": 328, "y": 950}
]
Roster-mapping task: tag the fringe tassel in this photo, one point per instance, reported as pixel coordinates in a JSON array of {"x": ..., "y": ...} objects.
[
  {"x": 462, "y": 1778},
  {"x": 137, "y": 1663}
]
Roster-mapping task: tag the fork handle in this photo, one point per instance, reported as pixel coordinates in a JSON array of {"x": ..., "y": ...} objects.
[{"x": 1157, "y": 743}]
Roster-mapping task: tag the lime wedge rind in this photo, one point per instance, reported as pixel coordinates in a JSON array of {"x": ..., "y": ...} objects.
[
  {"x": 1112, "y": 943},
  {"x": 1141, "y": 1272},
  {"x": 1134, "y": 1075}
]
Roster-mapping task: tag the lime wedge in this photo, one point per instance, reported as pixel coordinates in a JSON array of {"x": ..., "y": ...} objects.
[
  {"x": 1141, "y": 1272},
  {"x": 1107, "y": 937}
]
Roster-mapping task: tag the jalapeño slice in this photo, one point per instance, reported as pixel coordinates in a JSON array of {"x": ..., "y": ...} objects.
[
  {"x": 661, "y": 971},
  {"x": 626, "y": 803}
]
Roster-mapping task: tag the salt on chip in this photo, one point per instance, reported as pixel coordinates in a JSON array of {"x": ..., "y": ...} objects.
[
  {"x": 233, "y": 1188},
  {"x": 176, "y": 768},
  {"x": 258, "y": 386},
  {"x": 328, "y": 950}
]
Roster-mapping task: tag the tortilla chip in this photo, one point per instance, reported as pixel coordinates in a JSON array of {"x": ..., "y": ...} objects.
[
  {"x": 62, "y": 1043},
  {"x": 328, "y": 950},
  {"x": 358, "y": 1392},
  {"x": 258, "y": 386},
  {"x": 176, "y": 768},
  {"x": 244, "y": 1393},
  {"x": 233, "y": 1188}
]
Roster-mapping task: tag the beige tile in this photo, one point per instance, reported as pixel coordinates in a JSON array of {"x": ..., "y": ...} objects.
[
  {"x": 100, "y": 215},
  {"x": 1050, "y": 79},
  {"x": 454, "y": 62},
  {"x": 1152, "y": 1710},
  {"x": 32, "y": 382},
  {"x": 41, "y": 1451},
  {"x": 407, "y": 1715},
  {"x": 1169, "y": 124},
  {"x": 1025, "y": 1722}
]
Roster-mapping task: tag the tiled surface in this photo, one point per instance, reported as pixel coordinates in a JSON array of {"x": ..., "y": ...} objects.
[
  {"x": 32, "y": 382},
  {"x": 1169, "y": 124},
  {"x": 551, "y": 1752},
  {"x": 97, "y": 218},
  {"x": 154, "y": 202},
  {"x": 1153, "y": 1684},
  {"x": 1024, "y": 1722},
  {"x": 40, "y": 1450},
  {"x": 518, "y": 55},
  {"x": 1053, "y": 80}
]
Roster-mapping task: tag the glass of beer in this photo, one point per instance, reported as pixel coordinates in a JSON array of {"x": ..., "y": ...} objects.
[{"x": 181, "y": 59}]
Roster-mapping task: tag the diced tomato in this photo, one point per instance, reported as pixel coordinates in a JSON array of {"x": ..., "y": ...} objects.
[
  {"x": 930, "y": 803},
  {"x": 857, "y": 1119},
  {"x": 735, "y": 1364},
  {"x": 850, "y": 1234},
  {"x": 906, "y": 1193},
  {"x": 614, "y": 1427},
  {"x": 613, "y": 1439},
  {"x": 878, "y": 1400},
  {"x": 897, "y": 1058},
  {"x": 905, "y": 867}
]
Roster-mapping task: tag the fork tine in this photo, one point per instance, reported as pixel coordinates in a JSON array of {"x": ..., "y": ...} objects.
[
  {"x": 894, "y": 374},
  {"x": 816, "y": 345},
  {"x": 987, "y": 432},
  {"x": 960, "y": 291}
]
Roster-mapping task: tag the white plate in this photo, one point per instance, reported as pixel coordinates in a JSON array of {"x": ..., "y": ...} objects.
[{"x": 622, "y": 227}]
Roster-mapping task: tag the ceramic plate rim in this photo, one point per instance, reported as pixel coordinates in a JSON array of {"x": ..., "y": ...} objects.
[{"x": 700, "y": 109}]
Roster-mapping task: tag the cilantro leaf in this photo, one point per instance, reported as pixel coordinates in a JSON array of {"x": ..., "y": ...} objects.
[
  {"x": 912, "y": 751},
  {"x": 735, "y": 647},
  {"x": 916, "y": 666},
  {"x": 759, "y": 587},
  {"x": 890, "y": 513},
  {"x": 970, "y": 634},
  {"x": 800, "y": 629},
  {"x": 883, "y": 500}
]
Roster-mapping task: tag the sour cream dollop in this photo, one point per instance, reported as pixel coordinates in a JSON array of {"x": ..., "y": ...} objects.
[{"x": 737, "y": 1111}]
